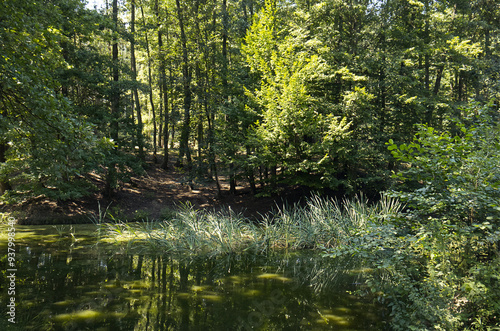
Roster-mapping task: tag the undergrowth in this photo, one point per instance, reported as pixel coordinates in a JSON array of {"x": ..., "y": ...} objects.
[{"x": 321, "y": 223}]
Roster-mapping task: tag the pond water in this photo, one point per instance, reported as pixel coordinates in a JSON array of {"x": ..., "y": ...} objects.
[{"x": 67, "y": 280}]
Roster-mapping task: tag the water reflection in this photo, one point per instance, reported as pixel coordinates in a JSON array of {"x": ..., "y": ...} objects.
[{"x": 68, "y": 284}]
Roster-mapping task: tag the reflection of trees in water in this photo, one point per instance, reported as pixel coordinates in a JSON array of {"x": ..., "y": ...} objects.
[
  {"x": 165, "y": 293},
  {"x": 294, "y": 275},
  {"x": 324, "y": 275}
]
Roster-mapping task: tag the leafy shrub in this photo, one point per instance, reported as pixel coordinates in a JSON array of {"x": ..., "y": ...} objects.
[
  {"x": 437, "y": 264},
  {"x": 457, "y": 175}
]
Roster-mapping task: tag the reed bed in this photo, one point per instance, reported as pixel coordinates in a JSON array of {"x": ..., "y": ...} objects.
[{"x": 320, "y": 223}]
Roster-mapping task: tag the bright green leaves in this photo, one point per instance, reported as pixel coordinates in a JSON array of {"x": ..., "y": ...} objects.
[
  {"x": 260, "y": 45},
  {"x": 451, "y": 182},
  {"x": 453, "y": 175},
  {"x": 441, "y": 251},
  {"x": 464, "y": 48},
  {"x": 297, "y": 130}
]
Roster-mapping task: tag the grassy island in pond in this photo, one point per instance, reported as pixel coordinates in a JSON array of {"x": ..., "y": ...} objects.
[{"x": 321, "y": 223}]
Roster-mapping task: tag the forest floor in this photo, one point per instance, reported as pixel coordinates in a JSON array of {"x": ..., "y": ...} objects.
[{"x": 152, "y": 196}]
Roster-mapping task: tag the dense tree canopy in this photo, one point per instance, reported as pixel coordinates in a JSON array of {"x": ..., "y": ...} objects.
[
  {"x": 47, "y": 143},
  {"x": 270, "y": 92}
]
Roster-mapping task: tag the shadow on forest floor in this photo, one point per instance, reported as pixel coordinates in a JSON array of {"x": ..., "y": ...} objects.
[{"x": 153, "y": 196}]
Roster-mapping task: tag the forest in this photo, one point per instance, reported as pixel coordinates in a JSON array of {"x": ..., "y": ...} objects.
[{"x": 397, "y": 100}]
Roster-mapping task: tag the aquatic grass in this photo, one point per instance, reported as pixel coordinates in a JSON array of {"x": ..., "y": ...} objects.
[
  {"x": 101, "y": 215},
  {"x": 190, "y": 232},
  {"x": 388, "y": 208},
  {"x": 320, "y": 223}
]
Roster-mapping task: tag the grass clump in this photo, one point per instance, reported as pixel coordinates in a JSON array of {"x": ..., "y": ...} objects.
[
  {"x": 319, "y": 223},
  {"x": 324, "y": 223},
  {"x": 189, "y": 232}
]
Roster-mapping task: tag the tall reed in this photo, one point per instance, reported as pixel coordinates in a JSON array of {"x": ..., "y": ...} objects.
[{"x": 320, "y": 223}]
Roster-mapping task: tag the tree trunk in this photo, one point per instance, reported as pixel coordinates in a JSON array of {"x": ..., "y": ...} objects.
[
  {"x": 184, "y": 150},
  {"x": 4, "y": 179},
  {"x": 115, "y": 93},
  {"x": 164, "y": 88},
  {"x": 201, "y": 91},
  {"x": 427, "y": 40},
  {"x": 160, "y": 115},
  {"x": 225, "y": 92},
  {"x": 139, "y": 128},
  {"x": 427, "y": 72},
  {"x": 274, "y": 178},
  {"x": 487, "y": 44},
  {"x": 437, "y": 83},
  {"x": 150, "y": 82},
  {"x": 460, "y": 85},
  {"x": 210, "y": 112},
  {"x": 200, "y": 139},
  {"x": 251, "y": 175},
  {"x": 232, "y": 179},
  {"x": 111, "y": 178}
]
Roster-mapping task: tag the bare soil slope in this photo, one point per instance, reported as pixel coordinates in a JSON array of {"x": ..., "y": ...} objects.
[{"x": 152, "y": 196}]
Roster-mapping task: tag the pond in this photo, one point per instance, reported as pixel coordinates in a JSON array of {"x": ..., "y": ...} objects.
[{"x": 68, "y": 280}]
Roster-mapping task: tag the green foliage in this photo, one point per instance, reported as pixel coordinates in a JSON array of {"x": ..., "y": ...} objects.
[
  {"x": 48, "y": 147},
  {"x": 297, "y": 130},
  {"x": 311, "y": 88},
  {"x": 189, "y": 232},
  {"x": 453, "y": 177},
  {"x": 442, "y": 252},
  {"x": 323, "y": 222},
  {"x": 54, "y": 118},
  {"x": 141, "y": 215}
]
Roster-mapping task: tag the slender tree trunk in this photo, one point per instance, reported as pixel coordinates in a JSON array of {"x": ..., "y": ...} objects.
[
  {"x": 4, "y": 179},
  {"x": 172, "y": 121},
  {"x": 382, "y": 93},
  {"x": 164, "y": 88},
  {"x": 232, "y": 174},
  {"x": 210, "y": 112},
  {"x": 150, "y": 82},
  {"x": 250, "y": 175},
  {"x": 160, "y": 116},
  {"x": 115, "y": 96},
  {"x": 232, "y": 179},
  {"x": 460, "y": 85},
  {"x": 427, "y": 65},
  {"x": 211, "y": 150},
  {"x": 111, "y": 179},
  {"x": 184, "y": 150},
  {"x": 139, "y": 128},
  {"x": 487, "y": 44},
  {"x": 224, "y": 46},
  {"x": 427, "y": 39},
  {"x": 211, "y": 141},
  {"x": 201, "y": 94},
  {"x": 437, "y": 83},
  {"x": 382, "y": 85},
  {"x": 274, "y": 178},
  {"x": 200, "y": 139},
  {"x": 172, "y": 134},
  {"x": 244, "y": 10}
]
